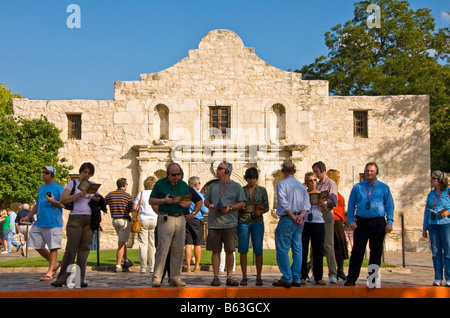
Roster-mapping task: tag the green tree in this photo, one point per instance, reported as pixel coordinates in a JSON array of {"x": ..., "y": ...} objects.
[
  {"x": 25, "y": 147},
  {"x": 6, "y": 99},
  {"x": 403, "y": 55}
]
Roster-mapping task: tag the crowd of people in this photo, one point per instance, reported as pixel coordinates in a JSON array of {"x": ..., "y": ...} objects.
[{"x": 314, "y": 223}]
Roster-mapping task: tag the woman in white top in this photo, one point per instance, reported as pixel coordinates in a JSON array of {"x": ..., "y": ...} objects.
[
  {"x": 79, "y": 231},
  {"x": 314, "y": 231},
  {"x": 148, "y": 217}
]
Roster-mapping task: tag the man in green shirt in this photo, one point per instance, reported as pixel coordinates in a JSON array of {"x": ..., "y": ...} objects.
[{"x": 171, "y": 223}]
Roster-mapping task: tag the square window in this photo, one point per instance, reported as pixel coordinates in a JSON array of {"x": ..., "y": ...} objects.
[{"x": 219, "y": 120}]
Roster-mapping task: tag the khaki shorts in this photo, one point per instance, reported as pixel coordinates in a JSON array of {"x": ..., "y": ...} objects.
[
  {"x": 39, "y": 237},
  {"x": 122, "y": 227},
  {"x": 218, "y": 236}
]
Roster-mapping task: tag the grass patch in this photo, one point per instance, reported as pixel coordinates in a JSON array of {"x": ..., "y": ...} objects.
[{"x": 108, "y": 258}]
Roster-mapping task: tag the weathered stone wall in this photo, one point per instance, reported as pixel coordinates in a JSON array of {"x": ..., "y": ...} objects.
[{"x": 121, "y": 137}]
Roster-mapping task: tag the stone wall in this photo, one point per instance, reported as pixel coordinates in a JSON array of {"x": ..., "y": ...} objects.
[{"x": 275, "y": 116}]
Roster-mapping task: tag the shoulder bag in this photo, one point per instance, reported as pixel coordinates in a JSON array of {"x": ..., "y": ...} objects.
[{"x": 136, "y": 223}]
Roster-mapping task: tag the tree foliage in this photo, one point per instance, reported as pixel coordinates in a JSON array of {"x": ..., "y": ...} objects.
[
  {"x": 25, "y": 147},
  {"x": 403, "y": 56},
  {"x": 6, "y": 99}
]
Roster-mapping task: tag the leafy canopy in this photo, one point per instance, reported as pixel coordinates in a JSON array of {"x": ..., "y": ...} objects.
[{"x": 403, "y": 55}]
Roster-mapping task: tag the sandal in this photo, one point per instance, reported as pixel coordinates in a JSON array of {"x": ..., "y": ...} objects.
[
  {"x": 259, "y": 282},
  {"x": 46, "y": 278},
  {"x": 57, "y": 267},
  {"x": 244, "y": 281}
]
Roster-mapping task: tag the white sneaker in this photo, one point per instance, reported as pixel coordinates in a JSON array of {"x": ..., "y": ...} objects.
[
  {"x": 143, "y": 270},
  {"x": 5, "y": 252},
  {"x": 333, "y": 280},
  {"x": 437, "y": 282},
  {"x": 311, "y": 280},
  {"x": 447, "y": 283}
]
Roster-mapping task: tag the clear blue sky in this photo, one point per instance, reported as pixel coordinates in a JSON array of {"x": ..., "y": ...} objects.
[{"x": 41, "y": 58}]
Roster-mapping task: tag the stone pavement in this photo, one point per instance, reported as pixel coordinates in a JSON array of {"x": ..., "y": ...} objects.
[{"x": 418, "y": 271}]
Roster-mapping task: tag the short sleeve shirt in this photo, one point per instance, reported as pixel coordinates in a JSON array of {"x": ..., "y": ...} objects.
[{"x": 228, "y": 194}]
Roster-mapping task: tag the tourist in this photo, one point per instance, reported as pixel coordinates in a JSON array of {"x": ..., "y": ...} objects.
[
  {"x": 326, "y": 184},
  {"x": 79, "y": 231},
  {"x": 292, "y": 206},
  {"x": 223, "y": 199},
  {"x": 371, "y": 215},
  {"x": 436, "y": 222},
  {"x": 45, "y": 235},
  {"x": 195, "y": 229},
  {"x": 120, "y": 205},
  {"x": 171, "y": 224},
  {"x": 340, "y": 243},
  {"x": 148, "y": 218},
  {"x": 251, "y": 224},
  {"x": 314, "y": 231}
]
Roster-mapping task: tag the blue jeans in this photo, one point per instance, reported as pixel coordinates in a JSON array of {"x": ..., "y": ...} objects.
[
  {"x": 288, "y": 235},
  {"x": 440, "y": 250},
  {"x": 8, "y": 235},
  {"x": 256, "y": 230}
]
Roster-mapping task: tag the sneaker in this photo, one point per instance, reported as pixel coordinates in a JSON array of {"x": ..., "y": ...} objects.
[
  {"x": 117, "y": 268},
  {"x": 143, "y": 270},
  {"x": 437, "y": 282},
  {"x": 215, "y": 281},
  {"x": 5, "y": 252},
  {"x": 447, "y": 284},
  {"x": 332, "y": 280},
  {"x": 127, "y": 263}
]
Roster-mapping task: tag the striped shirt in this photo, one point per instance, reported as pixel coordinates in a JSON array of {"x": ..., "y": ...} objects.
[{"x": 120, "y": 204}]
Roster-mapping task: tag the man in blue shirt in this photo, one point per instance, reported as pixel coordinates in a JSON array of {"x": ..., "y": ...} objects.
[
  {"x": 292, "y": 206},
  {"x": 194, "y": 228},
  {"x": 373, "y": 204},
  {"x": 47, "y": 230}
]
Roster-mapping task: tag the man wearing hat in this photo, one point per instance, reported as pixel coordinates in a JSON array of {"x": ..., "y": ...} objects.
[{"x": 47, "y": 230}]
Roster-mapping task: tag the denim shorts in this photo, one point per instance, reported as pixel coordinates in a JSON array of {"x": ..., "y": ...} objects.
[{"x": 253, "y": 230}]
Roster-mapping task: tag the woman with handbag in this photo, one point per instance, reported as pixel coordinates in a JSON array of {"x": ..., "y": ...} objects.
[
  {"x": 148, "y": 219},
  {"x": 79, "y": 230}
]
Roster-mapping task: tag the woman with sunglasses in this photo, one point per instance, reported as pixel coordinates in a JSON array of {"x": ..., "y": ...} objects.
[
  {"x": 436, "y": 223},
  {"x": 314, "y": 231}
]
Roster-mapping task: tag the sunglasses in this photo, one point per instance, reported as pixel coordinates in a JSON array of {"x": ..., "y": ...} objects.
[
  {"x": 46, "y": 172},
  {"x": 220, "y": 168}
]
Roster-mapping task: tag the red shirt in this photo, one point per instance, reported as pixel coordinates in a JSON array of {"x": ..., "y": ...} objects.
[{"x": 339, "y": 210}]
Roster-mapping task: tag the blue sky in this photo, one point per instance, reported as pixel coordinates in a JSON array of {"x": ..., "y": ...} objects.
[{"x": 42, "y": 58}]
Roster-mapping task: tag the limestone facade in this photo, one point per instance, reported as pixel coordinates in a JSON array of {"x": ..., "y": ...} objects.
[{"x": 273, "y": 116}]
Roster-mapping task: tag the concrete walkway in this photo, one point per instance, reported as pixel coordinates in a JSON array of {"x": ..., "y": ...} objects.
[{"x": 418, "y": 271}]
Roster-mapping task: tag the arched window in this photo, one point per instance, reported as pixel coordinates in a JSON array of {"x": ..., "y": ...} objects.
[{"x": 277, "y": 122}]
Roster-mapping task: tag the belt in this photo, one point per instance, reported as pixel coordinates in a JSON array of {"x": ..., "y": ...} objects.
[{"x": 175, "y": 215}]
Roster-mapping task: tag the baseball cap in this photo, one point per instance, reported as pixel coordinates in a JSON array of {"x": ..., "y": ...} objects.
[{"x": 51, "y": 169}]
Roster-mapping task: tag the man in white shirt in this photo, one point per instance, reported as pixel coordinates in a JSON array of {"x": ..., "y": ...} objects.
[{"x": 292, "y": 205}]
